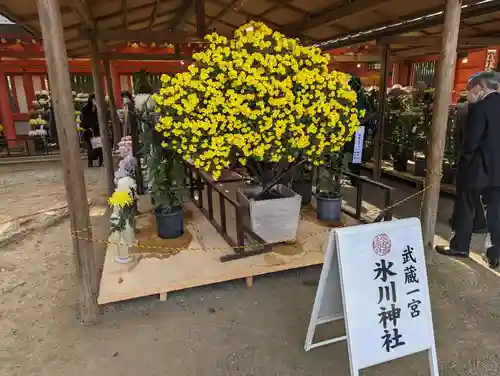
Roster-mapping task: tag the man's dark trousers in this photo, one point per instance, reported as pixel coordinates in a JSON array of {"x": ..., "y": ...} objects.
[
  {"x": 465, "y": 213},
  {"x": 479, "y": 218}
]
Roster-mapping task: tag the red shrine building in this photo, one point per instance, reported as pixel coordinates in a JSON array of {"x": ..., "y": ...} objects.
[{"x": 23, "y": 72}]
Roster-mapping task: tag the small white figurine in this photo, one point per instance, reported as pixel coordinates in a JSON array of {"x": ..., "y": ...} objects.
[{"x": 123, "y": 202}]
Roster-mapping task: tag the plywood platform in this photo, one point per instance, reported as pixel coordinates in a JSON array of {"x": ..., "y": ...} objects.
[{"x": 198, "y": 264}]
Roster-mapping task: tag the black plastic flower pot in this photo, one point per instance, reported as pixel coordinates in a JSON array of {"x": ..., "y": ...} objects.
[
  {"x": 303, "y": 189},
  {"x": 420, "y": 167},
  {"x": 400, "y": 163},
  {"x": 328, "y": 209},
  {"x": 170, "y": 225},
  {"x": 449, "y": 174}
]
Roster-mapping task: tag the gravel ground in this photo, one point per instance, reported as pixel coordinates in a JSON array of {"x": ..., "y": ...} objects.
[
  {"x": 27, "y": 189},
  {"x": 224, "y": 329}
]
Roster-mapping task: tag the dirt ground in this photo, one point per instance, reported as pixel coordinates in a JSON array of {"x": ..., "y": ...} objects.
[{"x": 219, "y": 330}]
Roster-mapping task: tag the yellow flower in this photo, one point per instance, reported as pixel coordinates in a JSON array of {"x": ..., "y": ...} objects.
[
  {"x": 258, "y": 96},
  {"x": 121, "y": 199}
]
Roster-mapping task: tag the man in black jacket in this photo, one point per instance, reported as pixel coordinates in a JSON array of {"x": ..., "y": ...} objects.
[
  {"x": 461, "y": 122},
  {"x": 478, "y": 171}
]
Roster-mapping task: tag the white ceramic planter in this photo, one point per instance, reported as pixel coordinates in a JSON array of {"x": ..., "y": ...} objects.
[{"x": 274, "y": 220}]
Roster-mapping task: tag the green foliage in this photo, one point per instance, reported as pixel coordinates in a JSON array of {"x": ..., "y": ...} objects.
[
  {"x": 402, "y": 119},
  {"x": 126, "y": 214},
  {"x": 303, "y": 173},
  {"x": 330, "y": 176},
  {"x": 143, "y": 82},
  {"x": 450, "y": 153},
  {"x": 166, "y": 169}
]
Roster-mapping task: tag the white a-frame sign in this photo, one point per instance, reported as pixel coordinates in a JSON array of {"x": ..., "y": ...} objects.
[{"x": 374, "y": 276}]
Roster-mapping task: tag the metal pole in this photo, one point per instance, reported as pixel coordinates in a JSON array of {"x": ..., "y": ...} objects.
[
  {"x": 382, "y": 94},
  {"x": 102, "y": 116},
  {"x": 444, "y": 87},
  {"x": 76, "y": 195}
]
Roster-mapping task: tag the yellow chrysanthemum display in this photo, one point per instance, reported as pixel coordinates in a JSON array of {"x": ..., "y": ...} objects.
[
  {"x": 121, "y": 198},
  {"x": 258, "y": 96}
]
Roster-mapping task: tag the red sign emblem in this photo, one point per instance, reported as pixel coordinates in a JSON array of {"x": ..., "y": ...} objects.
[{"x": 381, "y": 244}]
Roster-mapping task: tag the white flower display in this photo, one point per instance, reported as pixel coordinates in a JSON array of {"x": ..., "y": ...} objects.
[{"x": 38, "y": 132}]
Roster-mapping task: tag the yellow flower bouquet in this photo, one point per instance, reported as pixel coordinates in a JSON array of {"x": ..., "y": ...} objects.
[{"x": 260, "y": 98}]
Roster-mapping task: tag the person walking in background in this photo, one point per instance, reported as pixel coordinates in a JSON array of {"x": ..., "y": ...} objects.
[
  {"x": 91, "y": 133},
  {"x": 128, "y": 110},
  {"x": 478, "y": 171}
]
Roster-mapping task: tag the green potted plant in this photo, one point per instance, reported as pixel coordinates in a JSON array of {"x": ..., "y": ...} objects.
[
  {"x": 328, "y": 190},
  {"x": 400, "y": 123},
  {"x": 424, "y": 100},
  {"x": 166, "y": 176}
]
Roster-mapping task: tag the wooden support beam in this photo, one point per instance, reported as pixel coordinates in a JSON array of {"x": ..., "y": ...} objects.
[
  {"x": 182, "y": 15},
  {"x": 435, "y": 41},
  {"x": 124, "y": 14},
  {"x": 155, "y": 57},
  {"x": 76, "y": 194},
  {"x": 260, "y": 17},
  {"x": 199, "y": 7},
  {"x": 445, "y": 79},
  {"x": 22, "y": 54},
  {"x": 333, "y": 15},
  {"x": 114, "y": 15},
  {"x": 410, "y": 40},
  {"x": 146, "y": 36},
  {"x": 82, "y": 8},
  {"x": 356, "y": 58},
  {"x": 102, "y": 115},
  {"x": 233, "y": 6},
  {"x": 153, "y": 14},
  {"x": 117, "y": 129},
  {"x": 379, "y": 137},
  {"x": 18, "y": 19}
]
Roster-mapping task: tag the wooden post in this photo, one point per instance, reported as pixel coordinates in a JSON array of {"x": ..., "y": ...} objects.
[
  {"x": 200, "y": 18},
  {"x": 117, "y": 86},
  {"x": 102, "y": 116},
  {"x": 378, "y": 146},
  {"x": 117, "y": 129},
  {"x": 7, "y": 119},
  {"x": 445, "y": 78},
  {"x": 76, "y": 195}
]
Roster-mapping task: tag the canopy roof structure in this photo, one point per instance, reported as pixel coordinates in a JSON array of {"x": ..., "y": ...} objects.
[
  {"x": 476, "y": 30},
  {"x": 328, "y": 22}
]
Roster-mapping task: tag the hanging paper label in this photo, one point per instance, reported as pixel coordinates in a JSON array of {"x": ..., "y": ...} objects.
[{"x": 359, "y": 138}]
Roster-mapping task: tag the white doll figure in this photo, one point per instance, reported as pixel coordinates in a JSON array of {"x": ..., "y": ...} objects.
[{"x": 124, "y": 239}]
